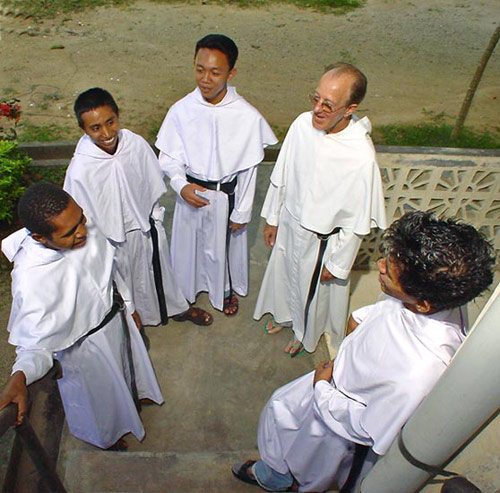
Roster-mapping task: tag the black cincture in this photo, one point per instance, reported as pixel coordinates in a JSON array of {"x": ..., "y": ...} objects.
[
  {"x": 160, "y": 292},
  {"x": 323, "y": 242},
  {"x": 119, "y": 306}
]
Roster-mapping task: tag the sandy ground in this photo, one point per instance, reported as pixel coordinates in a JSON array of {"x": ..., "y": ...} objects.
[{"x": 419, "y": 58}]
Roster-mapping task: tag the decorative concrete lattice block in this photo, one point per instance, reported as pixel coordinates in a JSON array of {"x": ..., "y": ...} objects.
[{"x": 463, "y": 184}]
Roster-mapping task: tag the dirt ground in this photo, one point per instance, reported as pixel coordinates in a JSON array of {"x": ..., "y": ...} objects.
[{"x": 419, "y": 57}]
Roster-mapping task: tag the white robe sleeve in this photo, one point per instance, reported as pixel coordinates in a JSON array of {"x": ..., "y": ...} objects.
[
  {"x": 273, "y": 203},
  {"x": 339, "y": 413},
  {"x": 341, "y": 253},
  {"x": 244, "y": 195},
  {"x": 34, "y": 363},
  {"x": 123, "y": 289},
  {"x": 175, "y": 170}
]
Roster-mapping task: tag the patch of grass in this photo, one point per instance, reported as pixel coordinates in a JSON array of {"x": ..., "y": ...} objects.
[
  {"x": 279, "y": 131},
  {"x": 434, "y": 135},
  {"x": 335, "y": 6},
  {"x": 43, "y": 9},
  {"x": 41, "y": 133},
  {"x": 39, "y": 9}
]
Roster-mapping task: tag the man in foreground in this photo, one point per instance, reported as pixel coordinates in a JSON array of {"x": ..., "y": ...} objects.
[
  {"x": 67, "y": 305},
  {"x": 325, "y": 195},
  {"x": 395, "y": 353}
]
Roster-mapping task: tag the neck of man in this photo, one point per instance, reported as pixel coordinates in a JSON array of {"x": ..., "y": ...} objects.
[
  {"x": 217, "y": 98},
  {"x": 340, "y": 125}
]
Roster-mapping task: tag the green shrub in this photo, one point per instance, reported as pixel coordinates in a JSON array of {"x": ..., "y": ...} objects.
[
  {"x": 41, "y": 133},
  {"x": 13, "y": 164}
]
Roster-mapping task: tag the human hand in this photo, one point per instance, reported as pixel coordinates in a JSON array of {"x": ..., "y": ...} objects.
[
  {"x": 326, "y": 275},
  {"x": 137, "y": 320},
  {"x": 270, "y": 233},
  {"x": 236, "y": 226},
  {"x": 324, "y": 371},
  {"x": 189, "y": 195},
  {"x": 15, "y": 391}
]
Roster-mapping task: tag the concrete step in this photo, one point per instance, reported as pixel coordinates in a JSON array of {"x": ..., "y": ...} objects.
[{"x": 200, "y": 472}]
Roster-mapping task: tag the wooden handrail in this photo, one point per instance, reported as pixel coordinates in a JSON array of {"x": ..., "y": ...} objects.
[{"x": 43, "y": 459}]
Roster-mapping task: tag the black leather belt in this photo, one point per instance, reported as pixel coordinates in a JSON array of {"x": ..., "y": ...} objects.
[
  {"x": 115, "y": 308},
  {"x": 227, "y": 188}
]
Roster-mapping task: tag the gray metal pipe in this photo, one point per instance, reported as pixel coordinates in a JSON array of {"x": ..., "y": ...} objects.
[{"x": 464, "y": 399}]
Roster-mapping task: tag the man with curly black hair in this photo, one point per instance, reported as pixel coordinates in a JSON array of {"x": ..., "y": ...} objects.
[{"x": 395, "y": 352}]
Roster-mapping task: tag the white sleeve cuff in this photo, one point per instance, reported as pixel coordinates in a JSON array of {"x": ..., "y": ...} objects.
[
  {"x": 178, "y": 183},
  {"x": 33, "y": 363}
]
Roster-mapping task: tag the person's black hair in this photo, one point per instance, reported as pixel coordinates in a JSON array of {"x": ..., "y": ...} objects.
[
  {"x": 442, "y": 261},
  {"x": 40, "y": 203},
  {"x": 360, "y": 84},
  {"x": 92, "y": 99},
  {"x": 222, "y": 43}
]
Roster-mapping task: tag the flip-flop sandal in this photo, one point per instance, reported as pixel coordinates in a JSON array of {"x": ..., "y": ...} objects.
[
  {"x": 230, "y": 302},
  {"x": 240, "y": 470},
  {"x": 195, "y": 315},
  {"x": 298, "y": 352},
  {"x": 274, "y": 325},
  {"x": 298, "y": 346}
]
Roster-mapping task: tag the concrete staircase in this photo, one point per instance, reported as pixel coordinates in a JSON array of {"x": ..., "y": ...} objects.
[
  {"x": 154, "y": 472},
  {"x": 215, "y": 381}
]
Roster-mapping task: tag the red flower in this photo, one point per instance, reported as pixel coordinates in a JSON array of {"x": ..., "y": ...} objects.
[{"x": 5, "y": 109}]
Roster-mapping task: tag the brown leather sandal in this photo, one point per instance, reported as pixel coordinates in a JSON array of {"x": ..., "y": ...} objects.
[
  {"x": 230, "y": 302},
  {"x": 195, "y": 315}
]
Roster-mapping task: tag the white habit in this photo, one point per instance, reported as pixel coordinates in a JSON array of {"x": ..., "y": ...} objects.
[
  {"x": 382, "y": 372},
  {"x": 320, "y": 182},
  {"x": 212, "y": 143},
  {"x": 120, "y": 192},
  {"x": 58, "y": 297}
]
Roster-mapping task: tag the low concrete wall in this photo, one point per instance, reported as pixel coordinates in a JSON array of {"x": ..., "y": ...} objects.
[{"x": 461, "y": 183}]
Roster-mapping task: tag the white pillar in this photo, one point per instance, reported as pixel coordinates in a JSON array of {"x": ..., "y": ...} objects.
[{"x": 464, "y": 398}]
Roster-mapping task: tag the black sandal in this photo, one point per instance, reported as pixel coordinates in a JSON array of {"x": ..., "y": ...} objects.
[{"x": 240, "y": 470}]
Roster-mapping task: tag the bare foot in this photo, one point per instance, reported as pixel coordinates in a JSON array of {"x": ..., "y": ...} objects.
[{"x": 272, "y": 327}]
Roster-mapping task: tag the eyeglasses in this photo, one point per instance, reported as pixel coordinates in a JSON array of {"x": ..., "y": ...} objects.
[{"x": 326, "y": 106}]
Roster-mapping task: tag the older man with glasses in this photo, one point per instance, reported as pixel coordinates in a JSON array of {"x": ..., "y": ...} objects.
[{"x": 325, "y": 195}]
